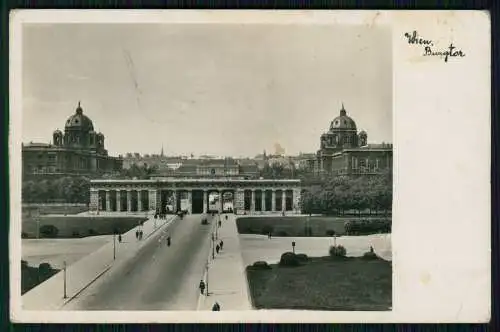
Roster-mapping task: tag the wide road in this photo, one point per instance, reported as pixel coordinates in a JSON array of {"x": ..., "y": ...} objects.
[{"x": 157, "y": 277}]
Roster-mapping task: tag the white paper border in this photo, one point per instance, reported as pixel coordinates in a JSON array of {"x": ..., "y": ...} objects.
[{"x": 433, "y": 244}]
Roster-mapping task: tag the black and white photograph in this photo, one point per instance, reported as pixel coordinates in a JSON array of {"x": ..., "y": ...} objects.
[{"x": 201, "y": 166}]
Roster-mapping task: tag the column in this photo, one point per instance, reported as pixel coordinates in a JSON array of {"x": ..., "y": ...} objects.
[
  {"x": 283, "y": 200},
  {"x": 118, "y": 200},
  {"x": 273, "y": 202},
  {"x": 152, "y": 199},
  {"x": 174, "y": 194},
  {"x": 296, "y": 199},
  {"x": 239, "y": 200},
  {"x": 190, "y": 201},
  {"x": 139, "y": 200},
  {"x": 108, "y": 200},
  {"x": 252, "y": 205},
  {"x": 205, "y": 201},
  {"x": 129, "y": 200},
  {"x": 263, "y": 201},
  {"x": 94, "y": 199},
  {"x": 221, "y": 206}
]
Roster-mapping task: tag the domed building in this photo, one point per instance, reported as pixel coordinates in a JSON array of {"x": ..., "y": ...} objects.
[
  {"x": 345, "y": 151},
  {"x": 78, "y": 151}
]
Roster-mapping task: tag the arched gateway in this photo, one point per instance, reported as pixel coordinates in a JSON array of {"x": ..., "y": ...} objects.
[{"x": 192, "y": 195}]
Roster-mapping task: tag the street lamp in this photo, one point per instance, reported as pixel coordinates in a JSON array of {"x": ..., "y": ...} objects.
[
  {"x": 213, "y": 246},
  {"x": 293, "y": 246},
  {"x": 114, "y": 245},
  {"x": 65, "y": 296},
  {"x": 37, "y": 227},
  {"x": 207, "y": 277}
]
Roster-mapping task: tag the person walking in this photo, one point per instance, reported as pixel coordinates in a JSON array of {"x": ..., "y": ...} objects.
[
  {"x": 202, "y": 287},
  {"x": 137, "y": 234},
  {"x": 221, "y": 244},
  {"x": 216, "y": 307},
  {"x": 120, "y": 238},
  {"x": 217, "y": 248},
  {"x": 168, "y": 241},
  {"x": 220, "y": 223}
]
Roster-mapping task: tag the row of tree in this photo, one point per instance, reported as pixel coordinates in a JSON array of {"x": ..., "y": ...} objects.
[
  {"x": 64, "y": 190},
  {"x": 337, "y": 195}
]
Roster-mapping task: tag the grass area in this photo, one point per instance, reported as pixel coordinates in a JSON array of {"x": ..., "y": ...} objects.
[
  {"x": 33, "y": 276},
  {"x": 53, "y": 209},
  {"x": 294, "y": 226},
  {"x": 81, "y": 226},
  {"x": 324, "y": 284}
]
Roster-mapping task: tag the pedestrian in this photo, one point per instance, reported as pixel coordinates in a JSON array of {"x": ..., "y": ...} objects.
[
  {"x": 371, "y": 249},
  {"x": 137, "y": 234},
  {"x": 221, "y": 244},
  {"x": 220, "y": 223},
  {"x": 269, "y": 235},
  {"x": 226, "y": 217},
  {"x": 216, "y": 307},
  {"x": 168, "y": 241},
  {"x": 217, "y": 248},
  {"x": 120, "y": 238},
  {"x": 156, "y": 216},
  {"x": 202, "y": 287}
]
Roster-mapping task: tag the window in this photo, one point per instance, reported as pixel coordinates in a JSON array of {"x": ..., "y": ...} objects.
[
  {"x": 376, "y": 164},
  {"x": 354, "y": 163}
]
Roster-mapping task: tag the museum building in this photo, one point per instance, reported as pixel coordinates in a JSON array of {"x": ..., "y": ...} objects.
[
  {"x": 78, "y": 151},
  {"x": 345, "y": 151}
]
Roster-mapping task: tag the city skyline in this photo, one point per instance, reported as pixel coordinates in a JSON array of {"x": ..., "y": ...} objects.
[{"x": 207, "y": 89}]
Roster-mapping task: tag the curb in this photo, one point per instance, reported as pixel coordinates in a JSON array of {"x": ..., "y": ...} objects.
[
  {"x": 100, "y": 274},
  {"x": 87, "y": 285}
]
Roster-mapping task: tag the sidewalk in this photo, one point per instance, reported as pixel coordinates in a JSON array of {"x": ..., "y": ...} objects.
[
  {"x": 227, "y": 282},
  {"x": 49, "y": 294}
]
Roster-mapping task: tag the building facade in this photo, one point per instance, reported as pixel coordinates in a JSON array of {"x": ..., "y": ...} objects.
[
  {"x": 249, "y": 196},
  {"x": 78, "y": 151},
  {"x": 345, "y": 151}
]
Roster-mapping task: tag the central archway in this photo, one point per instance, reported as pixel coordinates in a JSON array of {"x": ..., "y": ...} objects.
[{"x": 197, "y": 201}]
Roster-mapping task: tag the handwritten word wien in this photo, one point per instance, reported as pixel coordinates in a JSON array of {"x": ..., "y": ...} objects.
[{"x": 450, "y": 52}]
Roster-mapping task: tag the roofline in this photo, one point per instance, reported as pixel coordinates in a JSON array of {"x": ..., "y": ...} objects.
[{"x": 104, "y": 181}]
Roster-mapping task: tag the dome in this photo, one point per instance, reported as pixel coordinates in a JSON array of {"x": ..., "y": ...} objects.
[
  {"x": 362, "y": 133},
  {"x": 58, "y": 132},
  {"x": 79, "y": 121},
  {"x": 343, "y": 122}
]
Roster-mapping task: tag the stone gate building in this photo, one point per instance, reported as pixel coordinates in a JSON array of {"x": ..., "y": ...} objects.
[{"x": 154, "y": 195}]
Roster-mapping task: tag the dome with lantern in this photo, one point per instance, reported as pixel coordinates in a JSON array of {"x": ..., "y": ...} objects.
[
  {"x": 342, "y": 122},
  {"x": 79, "y": 121}
]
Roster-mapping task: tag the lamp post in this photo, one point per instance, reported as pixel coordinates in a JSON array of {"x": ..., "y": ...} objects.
[
  {"x": 213, "y": 246},
  {"x": 37, "y": 227},
  {"x": 293, "y": 246},
  {"x": 65, "y": 296},
  {"x": 334, "y": 240},
  {"x": 207, "y": 277},
  {"x": 114, "y": 245}
]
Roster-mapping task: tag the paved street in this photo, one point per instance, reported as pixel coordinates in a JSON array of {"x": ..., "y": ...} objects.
[{"x": 157, "y": 277}]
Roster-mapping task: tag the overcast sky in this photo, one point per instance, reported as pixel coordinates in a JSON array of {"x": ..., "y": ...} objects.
[{"x": 207, "y": 89}]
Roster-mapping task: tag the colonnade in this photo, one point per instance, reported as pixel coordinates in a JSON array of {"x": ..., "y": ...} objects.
[{"x": 245, "y": 200}]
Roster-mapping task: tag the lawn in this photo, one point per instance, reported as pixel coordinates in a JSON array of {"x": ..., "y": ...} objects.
[
  {"x": 294, "y": 226},
  {"x": 81, "y": 226},
  {"x": 29, "y": 209},
  {"x": 324, "y": 284}
]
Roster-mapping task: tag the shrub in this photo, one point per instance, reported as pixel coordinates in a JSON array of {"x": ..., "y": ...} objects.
[
  {"x": 282, "y": 233},
  {"x": 330, "y": 232},
  {"x": 24, "y": 235},
  {"x": 24, "y": 264},
  {"x": 289, "y": 259},
  {"x": 49, "y": 231},
  {"x": 337, "y": 251},
  {"x": 370, "y": 255},
  {"x": 261, "y": 265},
  {"x": 92, "y": 232},
  {"x": 302, "y": 257},
  {"x": 44, "y": 269},
  {"x": 75, "y": 233},
  {"x": 204, "y": 221},
  {"x": 267, "y": 229}
]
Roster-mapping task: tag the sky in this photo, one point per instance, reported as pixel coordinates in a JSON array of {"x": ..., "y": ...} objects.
[{"x": 219, "y": 89}]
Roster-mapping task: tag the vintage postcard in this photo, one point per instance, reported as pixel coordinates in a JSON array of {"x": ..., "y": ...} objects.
[{"x": 274, "y": 166}]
